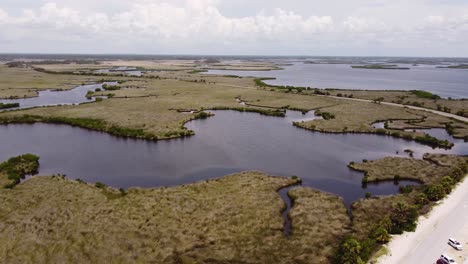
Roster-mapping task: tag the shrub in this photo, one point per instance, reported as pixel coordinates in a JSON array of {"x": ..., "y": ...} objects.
[
  {"x": 17, "y": 168},
  {"x": 100, "y": 185},
  {"x": 10, "y": 105},
  {"x": 380, "y": 234},
  {"x": 368, "y": 195},
  {"x": 349, "y": 252},
  {"x": 202, "y": 115},
  {"x": 421, "y": 199},
  {"x": 434, "y": 192},
  {"x": 447, "y": 183},
  {"x": 458, "y": 173},
  {"x": 406, "y": 189},
  {"x": 325, "y": 115},
  {"x": 396, "y": 179},
  {"x": 432, "y": 141},
  {"x": 403, "y": 218}
]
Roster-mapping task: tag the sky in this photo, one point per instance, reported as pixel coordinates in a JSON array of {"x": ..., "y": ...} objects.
[{"x": 432, "y": 28}]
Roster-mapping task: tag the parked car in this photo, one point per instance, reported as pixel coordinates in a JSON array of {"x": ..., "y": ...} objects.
[
  {"x": 440, "y": 261},
  {"x": 455, "y": 244},
  {"x": 447, "y": 259}
]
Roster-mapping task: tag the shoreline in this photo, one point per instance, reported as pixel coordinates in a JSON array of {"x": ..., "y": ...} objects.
[{"x": 417, "y": 246}]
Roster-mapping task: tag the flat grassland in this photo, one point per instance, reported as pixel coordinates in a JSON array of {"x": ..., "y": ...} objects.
[
  {"x": 416, "y": 98},
  {"x": 25, "y": 82},
  {"x": 153, "y": 105},
  {"x": 234, "y": 219}
]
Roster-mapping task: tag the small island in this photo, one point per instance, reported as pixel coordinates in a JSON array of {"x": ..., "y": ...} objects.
[
  {"x": 459, "y": 66},
  {"x": 380, "y": 67},
  {"x": 9, "y": 105}
]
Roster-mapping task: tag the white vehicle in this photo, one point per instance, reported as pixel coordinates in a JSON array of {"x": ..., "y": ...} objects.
[
  {"x": 447, "y": 259},
  {"x": 455, "y": 244}
]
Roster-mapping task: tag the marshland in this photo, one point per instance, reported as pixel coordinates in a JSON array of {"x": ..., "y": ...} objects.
[{"x": 146, "y": 164}]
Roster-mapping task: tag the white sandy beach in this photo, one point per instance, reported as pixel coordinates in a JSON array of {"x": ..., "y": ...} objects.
[{"x": 429, "y": 241}]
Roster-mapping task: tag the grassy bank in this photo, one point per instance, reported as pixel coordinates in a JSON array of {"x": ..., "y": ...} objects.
[{"x": 234, "y": 219}]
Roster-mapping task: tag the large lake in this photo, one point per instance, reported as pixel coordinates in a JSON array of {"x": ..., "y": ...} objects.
[
  {"x": 444, "y": 82},
  {"x": 227, "y": 143}
]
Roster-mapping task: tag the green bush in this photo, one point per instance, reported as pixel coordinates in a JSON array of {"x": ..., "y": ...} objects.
[
  {"x": 403, "y": 218},
  {"x": 406, "y": 189},
  {"x": 100, "y": 185},
  {"x": 447, "y": 183},
  {"x": 17, "y": 168},
  {"x": 10, "y": 105},
  {"x": 426, "y": 95},
  {"x": 421, "y": 199},
  {"x": 432, "y": 141},
  {"x": 349, "y": 252},
  {"x": 325, "y": 115},
  {"x": 380, "y": 234},
  {"x": 435, "y": 192}
]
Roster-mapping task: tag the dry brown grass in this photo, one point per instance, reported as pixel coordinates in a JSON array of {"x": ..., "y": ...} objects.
[
  {"x": 328, "y": 228},
  {"x": 149, "y": 104},
  {"x": 235, "y": 219},
  {"x": 388, "y": 168},
  {"x": 25, "y": 82},
  {"x": 396, "y": 97}
]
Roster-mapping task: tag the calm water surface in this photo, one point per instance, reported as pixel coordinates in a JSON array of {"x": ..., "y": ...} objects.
[
  {"x": 227, "y": 143},
  {"x": 51, "y": 97},
  {"x": 444, "y": 82}
]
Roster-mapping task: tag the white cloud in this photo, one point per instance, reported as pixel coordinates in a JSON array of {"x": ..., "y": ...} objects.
[{"x": 192, "y": 26}]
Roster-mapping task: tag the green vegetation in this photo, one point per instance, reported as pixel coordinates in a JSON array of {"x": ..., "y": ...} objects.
[
  {"x": 9, "y": 105},
  {"x": 88, "y": 123},
  {"x": 426, "y": 95},
  {"x": 17, "y": 168},
  {"x": 432, "y": 141},
  {"x": 260, "y": 82},
  {"x": 107, "y": 87},
  {"x": 375, "y": 219},
  {"x": 349, "y": 252},
  {"x": 325, "y": 115}
]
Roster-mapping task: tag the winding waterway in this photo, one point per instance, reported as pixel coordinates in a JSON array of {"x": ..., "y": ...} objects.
[{"x": 227, "y": 143}]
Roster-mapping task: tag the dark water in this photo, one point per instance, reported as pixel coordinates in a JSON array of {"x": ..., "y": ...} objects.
[
  {"x": 50, "y": 97},
  {"x": 227, "y": 143},
  {"x": 444, "y": 82}
]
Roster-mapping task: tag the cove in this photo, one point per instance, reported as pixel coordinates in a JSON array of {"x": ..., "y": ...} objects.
[
  {"x": 53, "y": 97},
  {"x": 227, "y": 143}
]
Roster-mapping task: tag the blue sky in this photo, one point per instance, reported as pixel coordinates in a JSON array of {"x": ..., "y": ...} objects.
[{"x": 242, "y": 27}]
